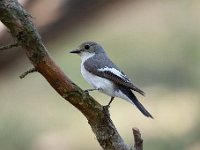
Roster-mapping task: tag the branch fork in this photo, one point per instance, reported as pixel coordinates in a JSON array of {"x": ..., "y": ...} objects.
[{"x": 27, "y": 72}]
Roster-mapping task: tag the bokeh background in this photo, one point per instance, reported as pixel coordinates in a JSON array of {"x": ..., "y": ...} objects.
[{"x": 155, "y": 42}]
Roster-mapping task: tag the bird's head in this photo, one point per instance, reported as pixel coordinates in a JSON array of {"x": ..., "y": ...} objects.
[{"x": 88, "y": 48}]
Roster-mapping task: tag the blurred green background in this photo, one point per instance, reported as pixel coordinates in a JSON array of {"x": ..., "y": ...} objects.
[{"x": 155, "y": 42}]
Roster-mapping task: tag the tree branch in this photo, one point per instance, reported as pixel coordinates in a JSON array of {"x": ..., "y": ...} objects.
[
  {"x": 21, "y": 27},
  {"x": 9, "y": 46},
  {"x": 137, "y": 139},
  {"x": 27, "y": 72}
]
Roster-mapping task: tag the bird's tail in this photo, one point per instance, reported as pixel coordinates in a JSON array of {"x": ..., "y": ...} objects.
[
  {"x": 134, "y": 100},
  {"x": 141, "y": 108}
]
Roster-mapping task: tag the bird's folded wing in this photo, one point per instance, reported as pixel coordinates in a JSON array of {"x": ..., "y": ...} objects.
[{"x": 115, "y": 76}]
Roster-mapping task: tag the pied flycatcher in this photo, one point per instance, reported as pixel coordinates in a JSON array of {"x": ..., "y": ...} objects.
[{"x": 99, "y": 71}]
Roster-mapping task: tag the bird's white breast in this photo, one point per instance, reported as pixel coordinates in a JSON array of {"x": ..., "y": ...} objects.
[{"x": 103, "y": 84}]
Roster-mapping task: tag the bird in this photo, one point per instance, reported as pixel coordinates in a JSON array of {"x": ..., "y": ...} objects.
[{"x": 103, "y": 75}]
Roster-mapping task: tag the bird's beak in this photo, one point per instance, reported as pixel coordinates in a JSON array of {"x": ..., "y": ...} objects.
[{"x": 76, "y": 51}]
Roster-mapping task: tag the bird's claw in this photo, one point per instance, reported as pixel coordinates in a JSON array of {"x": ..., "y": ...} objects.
[
  {"x": 86, "y": 91},
  {"x": 106, "y": 107}
]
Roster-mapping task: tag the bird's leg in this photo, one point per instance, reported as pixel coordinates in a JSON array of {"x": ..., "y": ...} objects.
[
  {"x": 112, "y": 98},
  {"x": 88, "y": 90},
  {"x": 105, "y": 108}
]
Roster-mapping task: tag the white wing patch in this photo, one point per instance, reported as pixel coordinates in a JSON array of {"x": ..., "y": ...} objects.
[{"x": 116, "y": 72}]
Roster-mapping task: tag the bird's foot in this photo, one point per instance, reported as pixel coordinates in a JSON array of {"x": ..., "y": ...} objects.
[
  {"x": 106, "y": 110},
  {"x": 86, "y": 91},
  {"x": 106, "y": 107}
]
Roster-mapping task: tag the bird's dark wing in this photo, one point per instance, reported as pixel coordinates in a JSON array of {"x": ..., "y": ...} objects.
[
  {"x": 112, "y": 74},
  {"x": 120, "y": 79}
]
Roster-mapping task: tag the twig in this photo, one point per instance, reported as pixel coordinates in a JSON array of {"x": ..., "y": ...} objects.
[
  {"x": 27, "y": 72},
  {"x": 9, "y": 46},
  {"x": 137, "y": 139}
]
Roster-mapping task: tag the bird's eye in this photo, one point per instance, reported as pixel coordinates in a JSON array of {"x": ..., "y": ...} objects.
[{"x": 87, "y": 46}]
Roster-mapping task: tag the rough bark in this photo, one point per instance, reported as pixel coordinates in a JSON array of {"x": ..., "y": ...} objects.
[
  {"x": 19, "y": 23},
  {"x": 137, "y": 139}
]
